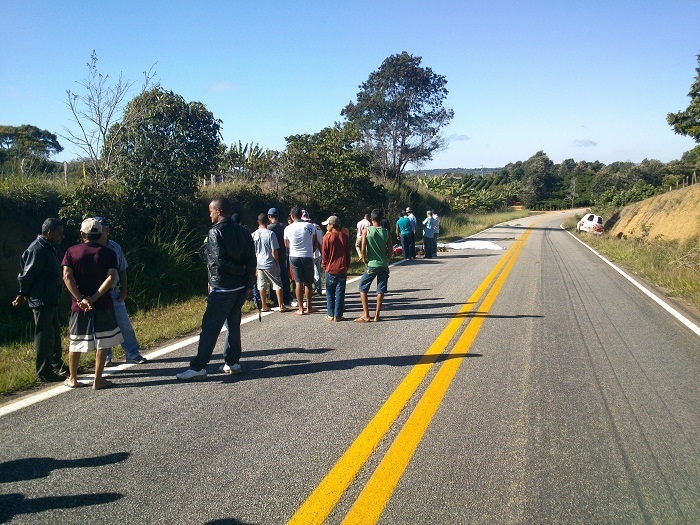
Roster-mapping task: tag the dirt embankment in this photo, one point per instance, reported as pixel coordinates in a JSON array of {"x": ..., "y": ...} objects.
[{"x": 672, "y": 216}]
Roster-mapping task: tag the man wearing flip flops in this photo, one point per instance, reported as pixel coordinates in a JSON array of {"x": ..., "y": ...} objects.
[{"x": 89, "y": 273}]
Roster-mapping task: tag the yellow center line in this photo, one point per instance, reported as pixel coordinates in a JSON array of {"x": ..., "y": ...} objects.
[
  {"x": 374, "y": 497},
  {"x": 320, "y": 503}
]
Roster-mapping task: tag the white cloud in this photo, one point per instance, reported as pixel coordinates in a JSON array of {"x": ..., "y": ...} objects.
[
  {"x": 585, "y": 143},
  {"x": 458, "y": 138},
  {"x": 223, "y": 86}
]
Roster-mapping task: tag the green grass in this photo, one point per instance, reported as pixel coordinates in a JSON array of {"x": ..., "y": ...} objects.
[
  {"x": 459, "y": 226},
  {"x": 672, "y": 265}
]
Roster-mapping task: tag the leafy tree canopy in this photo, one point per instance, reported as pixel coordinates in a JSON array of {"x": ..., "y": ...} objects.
[
  {"x": 28, "y": 141},
  {"x": 400, "y": 113},
  {"x": 166, "y": 152},
  {"x": 687, "y": 122},
  {"x": 326, "y": 170}
]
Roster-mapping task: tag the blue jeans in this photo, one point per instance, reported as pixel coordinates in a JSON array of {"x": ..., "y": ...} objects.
[
  {"x": 335, "y": 294},
  {"x": 222, "y": 308},
  {"x": 406, "y": 246},
  {"x": 131, "y": 346}
]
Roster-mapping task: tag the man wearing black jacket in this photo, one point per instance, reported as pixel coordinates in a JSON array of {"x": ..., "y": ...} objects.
[
  {"x": 40, "y": 285},
  {"x": 229, "y": 254}
]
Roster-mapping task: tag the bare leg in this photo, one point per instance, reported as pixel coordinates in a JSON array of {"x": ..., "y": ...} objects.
[
  {"x": 73, "y": 362},
  {"x": 280, "y": 300},
  {"x": 365, "y": 308},
  {"x": 309, "y": 295},
  {"x": 299, "y": 290},
  {"x": 100, "y": 355},
  {"x": 263, "y": 300},
  {"x": 380, "y": 298}
]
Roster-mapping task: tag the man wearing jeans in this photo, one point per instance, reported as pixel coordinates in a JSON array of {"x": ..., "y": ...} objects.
[
  {"x": 132, "y": 349},
  {"x": 335, "y": 251},
  {"x": 229, "y": 254}
]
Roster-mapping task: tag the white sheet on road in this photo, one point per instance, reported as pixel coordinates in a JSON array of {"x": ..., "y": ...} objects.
[{"x": 471, "y": 245}]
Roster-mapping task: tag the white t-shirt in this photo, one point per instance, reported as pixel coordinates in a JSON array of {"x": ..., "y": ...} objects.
[{"x": 300, "y": 235}]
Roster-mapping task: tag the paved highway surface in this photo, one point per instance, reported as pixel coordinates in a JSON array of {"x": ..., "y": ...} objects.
[{"x": 529, "y": 385}]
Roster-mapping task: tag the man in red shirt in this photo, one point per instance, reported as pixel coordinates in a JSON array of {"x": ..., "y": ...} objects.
[
  {"x": 335, "y": 258},
  {"x": 89, "y": 273}
]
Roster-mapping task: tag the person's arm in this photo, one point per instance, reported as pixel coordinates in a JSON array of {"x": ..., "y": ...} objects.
[
  {"x": 122, "y": 286},
  {"x": 363, "y": 247},
  {"x": 30, "y": 269},
  {"x": 389, "y": 247}
]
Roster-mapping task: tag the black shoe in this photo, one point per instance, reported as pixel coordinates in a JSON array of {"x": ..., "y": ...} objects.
[
  {"x": 51, "y": 377},
  {"x": 140, "y": 360}
]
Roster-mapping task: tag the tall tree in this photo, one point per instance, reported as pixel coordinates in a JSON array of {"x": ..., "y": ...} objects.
[
  {"x": 166, "y": 153},
  {"x": 400, "y": 113},
  {"x": 537, "y": 179},
  {"x": 27, "y": 148},
  {"x": 687, "y": 122},
  {"x": 98, "y": 111},
  {"x": 326, "y": 170},
  {"x": 28, "y": 141}
]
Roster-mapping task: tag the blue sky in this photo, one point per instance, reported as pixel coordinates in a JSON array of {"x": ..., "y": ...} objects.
[{"x": 589, "y": 80}]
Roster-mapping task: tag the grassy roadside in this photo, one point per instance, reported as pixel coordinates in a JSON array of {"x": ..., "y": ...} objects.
[
  {"x": 165, "y": 322},
  {"x": 671, "y": 265}
]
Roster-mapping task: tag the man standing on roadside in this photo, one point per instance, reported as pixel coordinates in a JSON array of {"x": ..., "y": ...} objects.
[
  {"x": 335, "y": 253},
  {"x": 40, "y": 285},
  {"x": 268, "y": 269},
  {"x": 376, "y": 251},
  {"x": 403, "y": 233},
  {"x": 229, "y": 254},
  {"x": 362, "y": 225},
  {"x": 300, "y": 240},
  {"x": 278, "y": 229},
  {"x": 89, "y": 273},
  {"x": 428, "y": 236},
  {"x": 414, "y": 229},
  {"x": 132, "y": 349}
]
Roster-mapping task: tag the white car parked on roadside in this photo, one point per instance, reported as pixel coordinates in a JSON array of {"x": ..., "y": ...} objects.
[{"x": 590, "y": 223}]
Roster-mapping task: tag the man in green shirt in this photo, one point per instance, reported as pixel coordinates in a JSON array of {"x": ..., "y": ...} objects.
[{"x": 376, "y": 250}]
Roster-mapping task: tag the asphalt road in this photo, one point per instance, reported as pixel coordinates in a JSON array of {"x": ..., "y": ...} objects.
[{"x": 529, "y": 385}]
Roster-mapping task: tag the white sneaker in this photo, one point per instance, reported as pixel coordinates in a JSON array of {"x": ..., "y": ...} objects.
[
  {"x": 192, "y": 375},
  {"x": 294, "y": 303},
  {"x": 235, "y": 369}
]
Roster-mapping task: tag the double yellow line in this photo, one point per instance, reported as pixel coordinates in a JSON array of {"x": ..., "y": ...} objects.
[{"x": 374, "y": 497}]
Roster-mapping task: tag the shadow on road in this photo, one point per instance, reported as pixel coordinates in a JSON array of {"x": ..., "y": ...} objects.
[
  {"x": 14, "y": 504},
  {"x": 35, "y": 468}
]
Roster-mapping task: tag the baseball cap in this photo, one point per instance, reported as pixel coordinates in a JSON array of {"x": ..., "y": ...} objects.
[
  {"x": 409, "y": 210},
  {"x": 305, "y": 215},
  {"x": 102, "y": 221},
  {"x": 273, "y": 212},
  {"x": 332, "y": 220},
  {"x": 91, "y": 225}
]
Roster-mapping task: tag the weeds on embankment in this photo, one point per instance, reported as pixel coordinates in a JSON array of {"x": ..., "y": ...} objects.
[{"x": 673, "y": 265}]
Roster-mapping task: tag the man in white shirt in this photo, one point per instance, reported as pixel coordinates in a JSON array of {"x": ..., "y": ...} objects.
[
  {"x": 361, "y": 227},
  {"x": 300, "y": 240},
  {"x": 268, "y": 267}
]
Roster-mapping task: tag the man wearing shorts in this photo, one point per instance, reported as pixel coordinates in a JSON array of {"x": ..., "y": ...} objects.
[
  {"x": 268, "y": 268},
  {"x": 376, "y": 250},
  {"x": 89, "y": 273},
  {"x": 300, "y": 240}
]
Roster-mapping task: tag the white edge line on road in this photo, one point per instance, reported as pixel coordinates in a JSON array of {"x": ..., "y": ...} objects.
[
  {"x": 31, "y": 399},
  {"x": 675, "y": 313}
]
